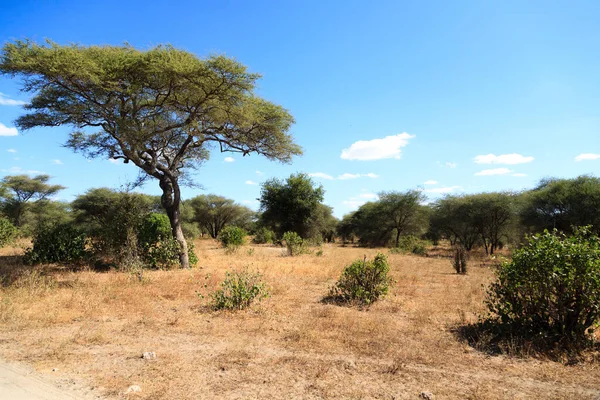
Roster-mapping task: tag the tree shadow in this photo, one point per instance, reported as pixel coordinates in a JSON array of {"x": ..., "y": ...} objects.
[{"x": 494, "y": 338}]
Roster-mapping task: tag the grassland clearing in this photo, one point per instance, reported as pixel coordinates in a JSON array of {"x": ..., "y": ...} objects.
[{"x": 95, "y": 326}]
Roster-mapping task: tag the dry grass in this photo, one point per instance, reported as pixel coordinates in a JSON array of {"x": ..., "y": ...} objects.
[{"x": 95, "y": 326}]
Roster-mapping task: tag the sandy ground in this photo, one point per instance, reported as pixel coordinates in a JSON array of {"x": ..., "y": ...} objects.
[{"x": 20, "y": 383}]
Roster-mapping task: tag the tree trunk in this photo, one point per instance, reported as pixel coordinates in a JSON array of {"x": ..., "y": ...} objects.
[
  {"x": 397, "y": 237},
  {"x": 171, "y": 201}
]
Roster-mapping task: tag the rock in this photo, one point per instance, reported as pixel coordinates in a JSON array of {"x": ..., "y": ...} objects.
[
  {"x": 149, "y": 355},
  {"x": 426, "y": 395},
  {"x": 133, "y": 389},
  {"x": 54, "y": 369}
]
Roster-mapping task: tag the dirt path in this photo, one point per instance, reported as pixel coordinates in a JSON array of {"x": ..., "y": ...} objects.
[{"x": 21, "y": 383}]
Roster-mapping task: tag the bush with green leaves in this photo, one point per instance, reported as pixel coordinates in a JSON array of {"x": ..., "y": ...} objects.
[
  {"x": 57, "y": 244},
  {"x": 263, "y": 236},
  {"x": 239, "y": 290},
  {"x": 550, "y": 290},
  {"x": 410, "y": 244},
  {"x": 8, "y": 232},
  {"x": 293, "y": 243},
  {"x": 158, "y": 247},
  {"x": 363, "y": 281},
  {"x": 232, "y": 237}
]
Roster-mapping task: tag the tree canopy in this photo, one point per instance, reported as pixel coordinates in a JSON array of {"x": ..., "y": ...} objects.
[
  {"x": 19, "y": 191},
  {"x": 161, "y": 109},
  {"x": 214, "y": 212},
  {"x": 293, "y": 205}
]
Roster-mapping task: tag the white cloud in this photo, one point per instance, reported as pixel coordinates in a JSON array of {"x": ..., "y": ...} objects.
[
  {"x": 57, "y": 162},
  {"x": 321, "y": 175},
  {"x": 114, "y": 161},
  {"x": 431, "y": 182},
  {"x": 587, "y": 156},
  {"x": 519, "y": 174},
  {"x": 250, "y": 202},
  {"x": 445, "y": 189},
  {"x": 5, "y": 101},
  {"x": 508, "y": 159},
  {"x": 19, "y": 170},
  {"x": 495, "y": 171},
  {"x": 259, "y": 173},
  {"x": 450, "y": 164},
  {"x": 357, "y": 201},
  {"x": 11, "y": 150},
  {"x": 229, "y": 159},
  {"x": 354, "y": 176},
  {"x": 377, "y": 149},
  {"x": 6, "y": 131},
  {"x": 348, "y": 176},
  {"x": 251, "y": 183}
]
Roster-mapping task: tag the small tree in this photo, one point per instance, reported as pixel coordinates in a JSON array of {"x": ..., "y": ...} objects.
[
  {"x": 21, "y": 190},
  {"x": 550, "y": 291},
  {"x": 293, "y": 205},
  {"x": 293, "y": 243}
]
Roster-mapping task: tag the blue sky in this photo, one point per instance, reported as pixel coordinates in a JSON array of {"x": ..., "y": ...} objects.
[{"x": 450, "y": 96}]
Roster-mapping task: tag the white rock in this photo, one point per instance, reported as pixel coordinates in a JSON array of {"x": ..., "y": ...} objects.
[
  {"x": 133, "y": 389},
  {"x": 149, "y": 355}
]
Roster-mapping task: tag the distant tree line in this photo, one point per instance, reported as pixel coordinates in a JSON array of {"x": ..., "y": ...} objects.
[{"x": 485, "y": 220}]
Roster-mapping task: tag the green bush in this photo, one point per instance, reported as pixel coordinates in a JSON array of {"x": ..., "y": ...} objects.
[
  {"x": 550, "y": 291},
  {"x": 60, "y": 244},
  {"x": 411, "y": 244},
  {"x": 8, "y": 232},
  {"x": 154, "y": 228},
  {"x": 264, "y": 235},
  {"x": 363, "y": 281},
  {"x": 239, "y": 290},
  {"x": 158, "y": 247},
  {"x": 232, "y": 237},
  {"x": 293, "y": 243}
]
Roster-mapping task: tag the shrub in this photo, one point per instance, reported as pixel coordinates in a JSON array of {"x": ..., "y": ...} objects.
[
  {"x": 61, "y": 244},
  {"x": 550, "y": 291},
  {"x": 293, "y": 243},
  {"x": 239, "y": 290},
  {"x": 154, "y": 228},
  {"x": 232, "y": 237},
  {"x": 411, "y": 244},
  {"x": 7, "y": 232},
  {"x": 159, "y": 248},
  {"x": 264, "y": 235},
  {"x": 363, "y": 281},
  {"x": 459, "y": 262}
]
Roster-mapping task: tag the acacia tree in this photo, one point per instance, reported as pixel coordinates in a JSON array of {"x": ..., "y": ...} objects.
[
  {"x": 21, "y": 190},
  {"x": 403, "y": 211},
  {"x": 161, "y": 109},
  {"x": 214, "y": 212}
]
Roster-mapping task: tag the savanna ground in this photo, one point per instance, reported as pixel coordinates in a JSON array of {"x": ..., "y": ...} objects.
[{"x": 93, "y": 327}]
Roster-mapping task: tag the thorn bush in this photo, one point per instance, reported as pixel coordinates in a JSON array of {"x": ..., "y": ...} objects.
[
  {"x": 550, "y": 291},
  {"x": 363, "y": 281},
  {"x": 293, "y": 243},
  {"x": 239, "y": 290}
]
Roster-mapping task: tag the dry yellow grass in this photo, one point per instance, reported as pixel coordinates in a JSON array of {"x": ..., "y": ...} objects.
[{"x": 95, "y": 326}]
